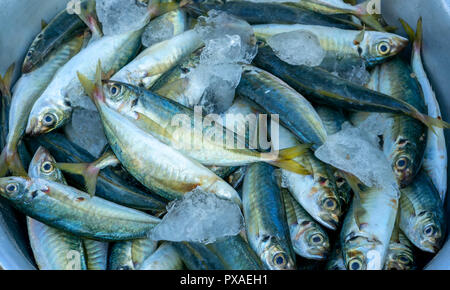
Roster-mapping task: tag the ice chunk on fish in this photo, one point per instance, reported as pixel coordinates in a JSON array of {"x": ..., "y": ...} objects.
[{"x": 199, "y": 217}]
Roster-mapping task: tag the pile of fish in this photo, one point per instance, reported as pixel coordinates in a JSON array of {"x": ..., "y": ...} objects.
[{"x": 119, "y": 146}]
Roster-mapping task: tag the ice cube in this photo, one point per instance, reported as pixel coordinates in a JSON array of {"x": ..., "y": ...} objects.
[
  {"x": 120, "y": 16},
  {"x": 353, "y": 150},
  {"x": 298, "y": 47},
  {"x": 86, "y": 130},
  {"x": 164, "y": 27},
  {"x": 199, "y": 217},
  {"x": 218, "y": 24}
]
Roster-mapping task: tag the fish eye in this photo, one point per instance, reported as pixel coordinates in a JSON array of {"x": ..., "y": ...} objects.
[
  {"x": 384, "y": 48},
  {"x": 12, "y": 187},
  {"x": 355, "y": 264},
  {"x": 47, "y": 167},
  {"x": 429, "y": 231},
  {"x": 403, "y": 259},
  {"x": 316, "y": 239},
  {"x": 330, "y": 204},
  {"x": 401, "y": 163},
  {"x": 49, "y": 119},
  {"x": 279, "y": 259},
  {"x": 114, "y": 90}
]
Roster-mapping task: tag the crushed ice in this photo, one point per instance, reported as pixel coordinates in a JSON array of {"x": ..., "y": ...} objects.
[
  {"x": 298, "y": 47},
  {"x": 354, "y": 151},
  {"x": 120, "y": 16},
  {"x": 229, "y": 42},
  {"x": 199, "y": 217}
]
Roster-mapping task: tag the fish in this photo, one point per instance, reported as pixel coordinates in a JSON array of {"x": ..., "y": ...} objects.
[
  {"x": 110, "y": 185},
  {"x": 53, "y": 249},
  {"x": 165, "y": 257},
  {"x": 266, "y": 224},
  {"x": 62, "y": 28},
  {"x": 308, "y": 238},
  {"x": 162, "y": 169},
  {"x": 276, "y": 97},
  {"x": 343, "y": 46},
  {"x": 366, "y": 234},
  {"x": 53, "y": 108},
  {"x": 317, "y": 192},
  {"x": 101, "y": 219},
  {"x": 196, "y": 256},
  {"x": 401, "y": 253},
  {"x": 5, "y": 94},
  {"x": 129, "y": 255},
  {"x": 322, "y": 87},
  {"x": 236, "y": 253},
  {"x": 158, "y": 116},
  {"x": 263, "y": 13},
  {"x": 336, "y": 260},
  {"x": 422, "y": 216},
  {"x": 152, "y": 62},
  {"x": 405, "y": 141},
  {"x": 333, "y": 119},
  {"x": 435, "y": 158},
  {"x": 96, "y": 254},
  {"x": 25, "y": 92}
]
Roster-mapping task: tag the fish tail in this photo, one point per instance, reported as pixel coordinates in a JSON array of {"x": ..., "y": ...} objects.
[
  {"x": 88, "y": 171},
  {"x": 88, "y": 15},
  {"x": 431, "y": 122},
  {"x": 6, "y": 80},
  {"x": 285, "y": 156},
  {"x": 415, "y": 37},
  {"x": 10, "y": 162}
]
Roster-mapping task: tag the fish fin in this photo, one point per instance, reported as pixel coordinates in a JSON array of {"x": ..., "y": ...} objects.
[
  {"x": 6, "y": 80},
  {"x": 357, "y": 186},
  {"x": 290, "y": 165},
  {"x": 93, "y": 89},
  {"x": 88, "y": 171},
  {"x": 408, "y": 204},
  {"x": 10, "y": 162},
  {"x": 360, "y": 37},
  {"x": 419, "y": 35},
  {"x": 152, "y": 125},
  {"x": 43, "y": 24},
  {"x": 285, "y": 156},
  {"x": 372, "y": 21},
  {"x": 430, "y": 122},
  {"x": 88, "y": 15},
  {"x": 408, "y": 29},
  {"x": 292, "y": 152},
  {"x": 391, "y": 28}
]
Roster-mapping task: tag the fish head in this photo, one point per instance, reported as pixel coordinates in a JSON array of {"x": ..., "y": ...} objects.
[
  {"x": 29, "y": 62},
  {"x": 119, "y": 95},
  {"x": 274, "y": 255},
  {"x": 47, "y": 116},
  {"x": 362, "y": 253},
  {"x": 428, "y": 232},
  {"x": 42, "y": 166},
  {"x": 327, "y": 201},
  {"x": 311, "y": 241},
  {"x": 399, "y": 257},
  {"x": 14, "y": 188},
  {"x": 379, "y": 46}
]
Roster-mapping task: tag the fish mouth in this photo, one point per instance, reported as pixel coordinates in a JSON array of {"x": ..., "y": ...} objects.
[
  {"x": 34, "y": 128},
  {"x": 27, "y": 67},
  {"x": 330, "y": 220},
  {"x": 399, "y": 43}
]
